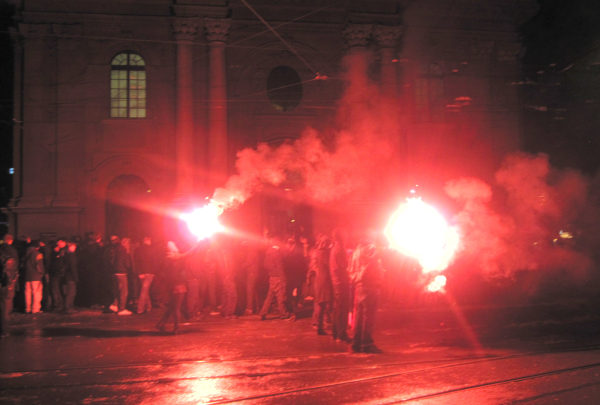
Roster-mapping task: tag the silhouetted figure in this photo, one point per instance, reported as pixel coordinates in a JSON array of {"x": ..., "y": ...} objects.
[
  {"x": 365, "y": 276},
  {"x": 34, "y": 274},
  {"x": 273, "y": 263},
  {"x": 145, "y": 266},
  {"x": 9, "y": 260},
  {"x": 340, "y": 281},
  {"x": 323, "y": 289},
  {"x": 175, "y": 272},
  {"x": 71, "y": 278}
]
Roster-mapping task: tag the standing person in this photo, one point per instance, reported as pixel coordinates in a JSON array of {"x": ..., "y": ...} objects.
[
  {"x": 9, "y": 260},
  {"x": 226, "y": 268},
  {"x": 116, "y": 262},
  {"x": 273, "y": 264},
  {"x": 340, "y": 281},
  {"x": 46, "y": 250},
  {"x": 250, "y": 257},
  {"x": 196, "y": 279},
  {"x": 71, "y": 278},
  {"x": 145, "y": 264},
  {"x": 34, "y": 274},
  {"x": 175, "y": 272},
  {"x": 58, "y": 269},
  {"x": 323, "y": 288},
  {"x": 295, "y": 270},
  {"x": 132, "y": 281},
  {"x": 365, "y": 276}
]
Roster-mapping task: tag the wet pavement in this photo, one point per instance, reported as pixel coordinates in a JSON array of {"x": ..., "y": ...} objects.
[{"x": 535, "y": 354}]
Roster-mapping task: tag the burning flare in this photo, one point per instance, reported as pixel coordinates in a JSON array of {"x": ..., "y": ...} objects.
[
  {"x": 418, "y": 230},
  {"x": 204, "y": 222}
]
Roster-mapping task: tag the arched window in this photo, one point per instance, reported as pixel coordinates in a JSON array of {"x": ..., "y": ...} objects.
[
  {"x": 128, "y": 86},
  {"x": 284, "y": 88}
]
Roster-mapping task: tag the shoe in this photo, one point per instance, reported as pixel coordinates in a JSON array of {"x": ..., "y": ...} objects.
[
  {"x": 352, "y": 349},
  {"x": 263, "y": 317},
  {"x": 372, "y": 349},
  {"x": 160, "y": 327},
  {"x": 114, "y": 308},
  {"x": 321, "y": 332},
  {"x": 124, "y": 312}
]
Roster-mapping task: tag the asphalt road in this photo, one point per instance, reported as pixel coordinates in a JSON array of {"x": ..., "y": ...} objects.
[{"x": 535, "y": 354}]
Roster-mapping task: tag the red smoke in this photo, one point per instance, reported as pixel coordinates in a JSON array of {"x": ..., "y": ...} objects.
[
  {"x": 328, "y": 166},
  {"x": 508, "y": 221},
  {"x": 514, "y": 224}
]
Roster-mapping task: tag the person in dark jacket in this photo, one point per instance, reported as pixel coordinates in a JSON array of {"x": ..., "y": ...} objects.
[
  {"x": 295, "y": 266},
  {"x": 365, "y": 277},
  {"x": 175, "y": 270},
  {"x": 322, "y": 280},
  {"x": 146, "y": 262},
  {"x": 116, "y": 259},
  {"x": 340, "y": 281},
  {"x": 58, "y": 269},
  {"x": 9, "y": 260},
  {"x": 34, "y": 274},
  {"x": 273, "y": 264},
  {"x": 71, "y": 278}
]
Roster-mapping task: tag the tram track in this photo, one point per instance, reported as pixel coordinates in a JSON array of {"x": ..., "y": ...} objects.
[{"x": 440, "y": 365}]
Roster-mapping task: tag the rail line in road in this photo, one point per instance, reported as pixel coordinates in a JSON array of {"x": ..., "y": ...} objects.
[
  {"x": 423, "y": 370},
  {"x": 440, "y": 365}
]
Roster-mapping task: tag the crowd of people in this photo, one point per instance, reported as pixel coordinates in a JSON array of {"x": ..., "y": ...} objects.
[{"x": 336, "y": 285}]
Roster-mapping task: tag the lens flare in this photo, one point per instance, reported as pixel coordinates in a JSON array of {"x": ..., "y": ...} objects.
[
  {"x": 418, "y": 230},
  {"x": 438, "y": 283},
  {"x": 204, "y": 222}
]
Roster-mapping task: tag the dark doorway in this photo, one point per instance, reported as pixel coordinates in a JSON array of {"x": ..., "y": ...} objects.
[{"x": 128, "y": 208}]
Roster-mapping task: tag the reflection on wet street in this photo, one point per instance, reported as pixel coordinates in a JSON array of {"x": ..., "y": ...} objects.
[{"x": 428, "y": 357}]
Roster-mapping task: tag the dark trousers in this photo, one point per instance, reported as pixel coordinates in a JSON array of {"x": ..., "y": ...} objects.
[
  {"x": 70, "y": 288},
  {"x": 173, "y": 310},
  {"x": 58, "y": 302},
  {"x": 365, "y": 308},
  {"x": 212, "y": 290},
  {"x": 339, "y": 321},
  {"x": 7, "y": 295},
  {"x": 321, "y": 309},
  {"x": 120, "y": 290},
  {"x": 229, "y": 296},
  {"x": 276, "y": 290},
  {"x": 251, "y": 292}
]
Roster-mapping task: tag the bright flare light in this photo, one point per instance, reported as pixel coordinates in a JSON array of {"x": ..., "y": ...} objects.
[
  {"x": 204, "y": 222},
  {"x": 419, "y": 231},
  {"x": 438, "y": 283}
]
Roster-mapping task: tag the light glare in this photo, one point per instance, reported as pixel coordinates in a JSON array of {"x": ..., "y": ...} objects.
[{"x": 204, "y": 222}]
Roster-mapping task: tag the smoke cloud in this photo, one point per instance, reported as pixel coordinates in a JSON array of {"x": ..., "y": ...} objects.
[
  {"x": 325, "y": 167},
  {"x": 525, "y": 219},
  {"x": 510, "y": 222}
]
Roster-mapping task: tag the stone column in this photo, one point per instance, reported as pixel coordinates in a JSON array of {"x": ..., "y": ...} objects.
[
  {"x": 387, "y": 39},
  {"x": 185, "y": 30},
  {"x": 357, "y": 38},
  {"x": 216, "y": 30}
]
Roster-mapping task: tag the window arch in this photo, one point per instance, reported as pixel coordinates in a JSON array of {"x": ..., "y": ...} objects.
[
  {"x": 284, "y": 88},
  {"x": 128, "y": 86}
]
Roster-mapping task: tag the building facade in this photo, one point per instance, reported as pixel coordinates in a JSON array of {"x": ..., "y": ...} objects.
[{"x": 126, "y": 108}]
